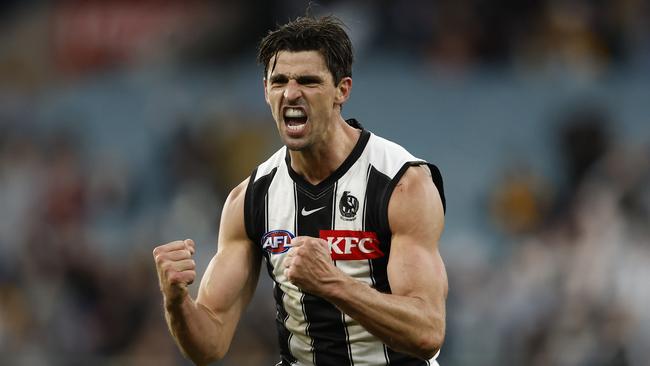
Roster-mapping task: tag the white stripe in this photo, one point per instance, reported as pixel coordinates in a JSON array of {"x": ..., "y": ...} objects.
[{"x": 282, "y": 211}]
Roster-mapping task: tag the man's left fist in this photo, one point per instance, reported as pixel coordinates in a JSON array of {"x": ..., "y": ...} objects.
[{"x": 309, "y": 266}]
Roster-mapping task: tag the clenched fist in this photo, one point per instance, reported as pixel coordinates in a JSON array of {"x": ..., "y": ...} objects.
[
  {"x": 309, "y": 266},
  {"x": 176, "y": 269}
]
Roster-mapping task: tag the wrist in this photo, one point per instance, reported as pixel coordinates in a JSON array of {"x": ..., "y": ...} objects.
[
  {"x": 175, "y": 303},
  {"x": 339, "y": 289}
]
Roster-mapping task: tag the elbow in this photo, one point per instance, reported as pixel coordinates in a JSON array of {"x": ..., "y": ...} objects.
[
  {"x": 429, "y": 343},
  {"x": 206, "y": 359},
  {"x": 427, "y": 348},
  {"x": 199, "y": 358}
]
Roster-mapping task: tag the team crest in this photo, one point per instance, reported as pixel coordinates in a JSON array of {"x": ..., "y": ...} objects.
[{"x": 348, "y": 206}]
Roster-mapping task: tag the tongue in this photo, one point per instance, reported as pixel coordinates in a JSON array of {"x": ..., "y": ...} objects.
[{"x": 296, "y": 121}]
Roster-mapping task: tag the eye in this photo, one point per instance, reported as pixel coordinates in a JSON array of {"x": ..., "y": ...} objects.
[
  {"x": 279, "y": 80},
  {"x": 309, "y": 80}
]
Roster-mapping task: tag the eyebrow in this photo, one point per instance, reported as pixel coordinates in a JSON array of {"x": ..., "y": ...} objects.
[{"x": 302, "y": 79}]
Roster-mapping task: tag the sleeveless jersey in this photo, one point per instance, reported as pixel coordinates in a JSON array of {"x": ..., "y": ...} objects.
[{"x": 349, "y": 210}]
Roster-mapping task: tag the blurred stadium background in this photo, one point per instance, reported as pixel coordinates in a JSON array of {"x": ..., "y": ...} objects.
[{"x": 124, "y": 124}]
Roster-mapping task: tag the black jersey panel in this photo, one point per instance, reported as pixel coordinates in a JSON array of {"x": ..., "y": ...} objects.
[
  {"x": 255, "y": 207},
  {"x": 325, "y": 324}
]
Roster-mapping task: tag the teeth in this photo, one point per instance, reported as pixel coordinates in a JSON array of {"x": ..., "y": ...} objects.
[
  {"x": 295, "y": 128},
  {"x": 294, "y": 113}
]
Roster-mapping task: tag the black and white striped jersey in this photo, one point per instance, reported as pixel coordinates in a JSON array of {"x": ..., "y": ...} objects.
[{"x": 350, "y": 210}]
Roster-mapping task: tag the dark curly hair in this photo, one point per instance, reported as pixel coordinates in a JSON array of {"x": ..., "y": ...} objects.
[{"x": 325, "y": 34}]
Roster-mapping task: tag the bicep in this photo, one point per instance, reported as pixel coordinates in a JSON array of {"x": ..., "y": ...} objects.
[
  {"x": 231, "y": 276},
  {"x": 416, "y": 219}
]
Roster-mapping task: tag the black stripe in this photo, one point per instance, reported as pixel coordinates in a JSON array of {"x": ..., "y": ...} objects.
[
  {"x": 401, "y": 359},
  {"x": 345, "y": 326},
  {"x": 280, "y": 320},
  {"x": 347, "y": 339},
  {"x": 255, "y": 212},
  {"x": 386, "y": 355},
  {"x": 256, "y": 223},
  {"x": 336, "y": 187},
  {"x": 379, "y": 190},
  {"x": 324, "y": 320},
  {"x": 296, "y": 214},
  {"x": 363, "y": 220},
  {"x": 365, "y": 200},
  {"x": 378, "y": 184},
  {"x": 437, "y": 180},
  {"x": 249, "y": 205}
]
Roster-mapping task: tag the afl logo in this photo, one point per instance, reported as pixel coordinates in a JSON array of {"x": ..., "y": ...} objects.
[
  {"x": 277, "y": 241},
  {"x": 348, "y": 206}
]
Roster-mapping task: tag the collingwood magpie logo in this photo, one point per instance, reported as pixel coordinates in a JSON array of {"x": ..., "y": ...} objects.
[{"x": 348, "y": 206}]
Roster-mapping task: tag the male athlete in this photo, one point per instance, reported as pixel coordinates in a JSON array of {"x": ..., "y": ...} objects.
[{"x": 348, "y": 224}]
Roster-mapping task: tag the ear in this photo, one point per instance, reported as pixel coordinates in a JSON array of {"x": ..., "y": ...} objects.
[
  {"x": 266, "y": 93},
  {"x": 343, "y": 90}
]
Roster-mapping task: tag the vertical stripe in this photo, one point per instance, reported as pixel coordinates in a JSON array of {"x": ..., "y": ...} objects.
[
  {"x": 377, "y": 185},
  {"x": 386, "y": 355},
  {"x": 257, "y": 223},
  {"x": 365, "y": 205},
  {"x": 347, "y": 339},
  {"x": 302, "y": 295},
  {"x": 325, "y": 325},
  {"x": 365, "y": 200},
  {"x": 281, "y": 216},
  {"x": 364, "y": 348},
  {"x": 333, "y": 225},
  {"x": 284, "y": 336}
]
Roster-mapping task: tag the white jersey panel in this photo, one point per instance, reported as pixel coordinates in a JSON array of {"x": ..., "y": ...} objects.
[{"x": 281, "y": 212}]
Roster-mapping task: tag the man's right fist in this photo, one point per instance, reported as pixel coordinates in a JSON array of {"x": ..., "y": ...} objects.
[{"x": 176, "y": 269}]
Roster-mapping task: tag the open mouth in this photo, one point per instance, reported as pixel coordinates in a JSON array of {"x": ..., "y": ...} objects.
[{"x": 295, "y": 119}]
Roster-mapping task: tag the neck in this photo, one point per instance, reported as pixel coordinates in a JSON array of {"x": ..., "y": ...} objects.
[{"x": 317, "y": 163}]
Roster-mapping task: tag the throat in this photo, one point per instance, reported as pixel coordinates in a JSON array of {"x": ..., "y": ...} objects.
[
  {"x": 314, "y": 168},
  {"x": 319, "y": 162}
]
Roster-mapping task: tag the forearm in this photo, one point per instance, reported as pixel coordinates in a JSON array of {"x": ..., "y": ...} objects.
[
  {"x": 406, "y": 324},
  {"x": 200, "y": 335}
]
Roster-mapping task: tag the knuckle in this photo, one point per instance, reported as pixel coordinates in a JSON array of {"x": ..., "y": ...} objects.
[
  {"x": 159, "y": 259},
  {"x": 168, "y": 270},
  {"x": 175, "y": 278},
  {"x": 191, "y": 275}
]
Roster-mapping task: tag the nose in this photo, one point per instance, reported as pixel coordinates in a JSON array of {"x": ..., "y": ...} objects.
[{"x": 292, "y": 91}]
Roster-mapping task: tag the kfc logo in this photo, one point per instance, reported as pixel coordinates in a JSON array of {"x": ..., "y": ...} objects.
[{"x": 352, "y": 245}]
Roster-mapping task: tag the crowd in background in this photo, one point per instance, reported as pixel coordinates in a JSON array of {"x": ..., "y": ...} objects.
[{"x": 566, "y": 285}]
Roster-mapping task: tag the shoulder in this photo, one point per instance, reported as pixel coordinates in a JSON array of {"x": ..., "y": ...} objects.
[
  {"x": 415, "y": 203},
  {"x": 234, "y": 205},
  {"x": 237, "y": 194},
  {"x": 272, "y": 163},
  {"x": 387, "y": 156}
]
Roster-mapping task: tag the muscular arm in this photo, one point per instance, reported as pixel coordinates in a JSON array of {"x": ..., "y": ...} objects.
[
  {"x": 203, "y": 328},
  {"x": 412, "y": 318}
]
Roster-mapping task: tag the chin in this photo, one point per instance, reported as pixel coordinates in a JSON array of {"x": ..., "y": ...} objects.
[{"x": 295, "y": 145}]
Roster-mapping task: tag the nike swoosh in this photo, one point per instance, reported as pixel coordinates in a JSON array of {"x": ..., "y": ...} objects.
[{"x": 309, "y": 212}]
